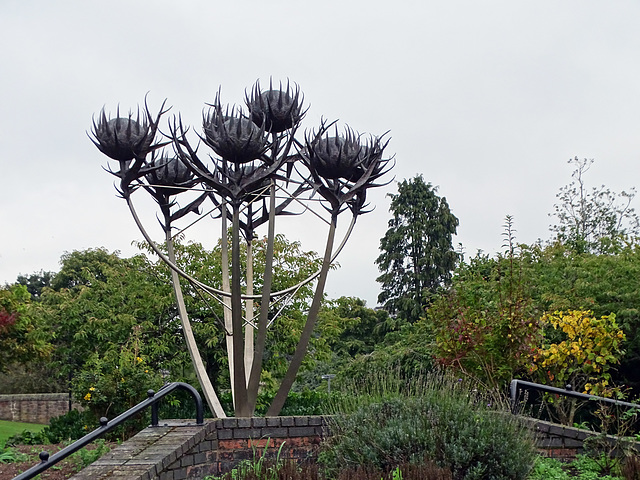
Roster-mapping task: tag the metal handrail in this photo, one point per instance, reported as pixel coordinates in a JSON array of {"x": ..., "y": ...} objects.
[
  {"x": 106, "y": 425},
  {"x": 567, "y": 391}
]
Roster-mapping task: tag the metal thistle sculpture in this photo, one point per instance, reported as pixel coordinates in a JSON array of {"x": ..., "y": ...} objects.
[{"x": 258, "y": 169}]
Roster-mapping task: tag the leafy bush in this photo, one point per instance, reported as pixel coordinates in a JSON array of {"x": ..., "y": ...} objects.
[
  {"x": 486, "y": 325},
  {"x": 548, "y": 469},
  {"x": 584, "y": 352},
  {"x": 71, "y": 426},
  {"x": 388, "y": 423},
  {"x": 307, "y": 402},
  {"x": 115, "y": 381},
  {"x": 28, "y": 438},
  {"x": 407, "y": 350}
]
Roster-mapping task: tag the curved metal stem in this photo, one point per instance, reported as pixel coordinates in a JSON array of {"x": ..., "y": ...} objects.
[
  {"x": 248, "y": 324},
  {"x": 239, "y": 378},
  {"x": 305, "y": 336},
  {"x": 256, "y": 368},
  {"x": 201, "y": 373},
  {"x": 226, "y": 300}
]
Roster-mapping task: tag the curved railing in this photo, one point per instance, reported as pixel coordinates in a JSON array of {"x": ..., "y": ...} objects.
[{"x": 107, "y": 425}]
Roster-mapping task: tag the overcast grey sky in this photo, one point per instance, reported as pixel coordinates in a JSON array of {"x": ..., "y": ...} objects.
[{"x": 486, "y": 99}]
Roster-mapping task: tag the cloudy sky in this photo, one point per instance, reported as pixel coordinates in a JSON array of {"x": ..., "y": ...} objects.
[{"x": 486, "y": 99}]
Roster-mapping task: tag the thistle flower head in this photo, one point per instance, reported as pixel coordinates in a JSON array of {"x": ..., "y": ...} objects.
[
  {"x": 233, "y": 136},
  {"x": 278, "y": 110},
  {"x": 371, "y": 162},
  {"x": 344, "y": 166},
  {"x": 168, "y": 175},
  {"x": 340, "y": 156},
  {"x": 122, "y": 138}
]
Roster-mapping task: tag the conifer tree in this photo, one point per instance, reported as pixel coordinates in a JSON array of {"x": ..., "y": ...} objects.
[{"x": 417, "y": 256}]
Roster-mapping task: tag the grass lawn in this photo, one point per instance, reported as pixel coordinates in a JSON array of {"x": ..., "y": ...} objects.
[{"x": 8, "y": 429}]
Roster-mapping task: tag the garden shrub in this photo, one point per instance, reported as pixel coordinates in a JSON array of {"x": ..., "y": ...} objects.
[
  {"x": 435, "y": 417},
  {"x": 548, "y": 469},
  {"x": 85, "y": 457}
]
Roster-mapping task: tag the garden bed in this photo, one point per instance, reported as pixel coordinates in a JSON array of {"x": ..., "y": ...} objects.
[{"x": 27, "y": 456}]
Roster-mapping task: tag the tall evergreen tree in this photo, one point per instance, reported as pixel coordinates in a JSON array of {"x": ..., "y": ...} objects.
[{"x": 417, "y": 253}]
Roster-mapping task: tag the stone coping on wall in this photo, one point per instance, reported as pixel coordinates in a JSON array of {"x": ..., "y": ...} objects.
[
  {"x": 179, "y": 449},
  {"x": 33, "y": 396}
]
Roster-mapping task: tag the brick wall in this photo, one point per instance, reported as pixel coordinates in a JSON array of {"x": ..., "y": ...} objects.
[
  {"x": 237, "y": 438},
  {"x": 34, "y": 407},
  {"x": 179, "y": 449},
  {"x": 561, "y": 441}
]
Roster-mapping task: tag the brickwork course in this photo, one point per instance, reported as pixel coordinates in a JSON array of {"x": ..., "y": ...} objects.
[
  {"x": 564, "y": 442},
  {"x": 180, "y": 449}
]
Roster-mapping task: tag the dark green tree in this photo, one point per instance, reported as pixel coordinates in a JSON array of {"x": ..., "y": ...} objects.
[
  {"x": 346, "y": 329},
  {"x": 593, "y": 220},
  {"x": 36, "y": 282},
  {"x": 349, "y": 327},
  {"x": 101, "y": 309},
  {"x": 417, "y": 254}
]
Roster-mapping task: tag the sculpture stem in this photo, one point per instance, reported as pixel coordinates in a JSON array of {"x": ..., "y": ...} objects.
[
  {"x": 201, "y": 373},
  {"x": 249, "y": 331},
  {"x": 226, "y": 300},
  {"x": 301, "y": 348},
  {"x": 256, "y": 368},
  {"x": 239, "y": 378}
]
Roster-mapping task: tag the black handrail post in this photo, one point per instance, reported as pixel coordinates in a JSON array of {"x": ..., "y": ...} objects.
[
  {"x": 106, "y": 425},
  {"x": 154, "y": 409},
  {"x": 513, "y": 388},
  {"x": 199, "y": 405}
]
